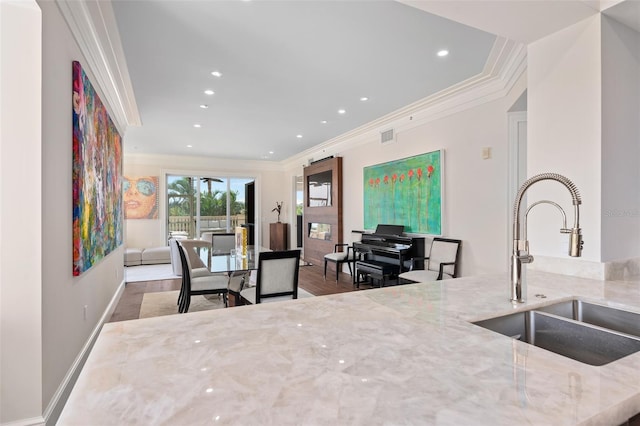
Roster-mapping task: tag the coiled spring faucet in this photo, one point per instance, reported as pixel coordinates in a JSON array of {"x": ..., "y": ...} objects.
[{"x": 520, "y": 252}]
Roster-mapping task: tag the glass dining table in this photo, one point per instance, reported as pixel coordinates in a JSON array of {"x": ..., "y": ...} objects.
[
  {"x": 238, "y": 268},
  {"x": 230, "y": 262}
]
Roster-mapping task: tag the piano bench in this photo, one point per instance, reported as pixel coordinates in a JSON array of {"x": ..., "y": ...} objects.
[{"x": 376, "y": 269}]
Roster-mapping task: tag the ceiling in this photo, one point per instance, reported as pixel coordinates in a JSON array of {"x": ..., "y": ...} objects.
[{"x": 289, "y": 66}]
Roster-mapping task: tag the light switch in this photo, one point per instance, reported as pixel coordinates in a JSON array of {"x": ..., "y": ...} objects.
[{"x": 486, "y": 153}]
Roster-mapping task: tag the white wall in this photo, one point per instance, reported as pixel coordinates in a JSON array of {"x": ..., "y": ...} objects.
[
  {"x": 21, "y": 349},
  {"x": 620, "y": 141},
  {"x": 65, "y": 330},
  {"x": 584, "y": 110},
  {"x": 564, "y": 135},
  {"x": 475, "y": 190}
]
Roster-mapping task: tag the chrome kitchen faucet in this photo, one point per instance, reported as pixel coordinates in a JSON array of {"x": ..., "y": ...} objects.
[{"x": 520, "y": 252}]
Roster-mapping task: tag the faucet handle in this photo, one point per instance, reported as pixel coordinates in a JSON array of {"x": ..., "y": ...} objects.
[
  {"x": 576, "y": 243},
  {"x": 527, "y": 258},
  {"x": 565, "y": 230}
]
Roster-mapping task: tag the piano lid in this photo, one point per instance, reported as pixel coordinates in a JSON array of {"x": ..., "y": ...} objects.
[{"x": 389, "y": 229}]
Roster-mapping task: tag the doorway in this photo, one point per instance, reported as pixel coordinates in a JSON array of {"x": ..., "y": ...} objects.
[
  {"x": 299, "y": 197},
  {"x": 517, "y": 118}
]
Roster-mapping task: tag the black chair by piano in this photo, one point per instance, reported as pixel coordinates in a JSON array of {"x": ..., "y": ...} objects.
[
  {"x": 347, "y": 255},
  {"x": 384, "y": 254},
  {"x": 442, "y": 262}
]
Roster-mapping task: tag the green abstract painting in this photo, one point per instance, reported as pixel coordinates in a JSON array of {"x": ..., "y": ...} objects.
[{"x": 405, "y": 192}]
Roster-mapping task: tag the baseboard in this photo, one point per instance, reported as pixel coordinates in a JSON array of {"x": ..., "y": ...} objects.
[
  {"x": 34, "y": 421},
  {"x": 55, "y": 406}
]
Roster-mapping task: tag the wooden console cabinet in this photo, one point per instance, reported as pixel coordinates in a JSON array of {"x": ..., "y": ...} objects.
[{"x": 278, "y": 236}]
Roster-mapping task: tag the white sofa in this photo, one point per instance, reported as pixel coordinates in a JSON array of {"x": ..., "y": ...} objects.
[
  {"x": 146, "y": 256},
  {"x": 132, "y": 256}
]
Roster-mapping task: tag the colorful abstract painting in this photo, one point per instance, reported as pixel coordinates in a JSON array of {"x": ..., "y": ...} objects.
[
  {"x": 140, "y": 197},
  {"x": 97, "y": 172},
  {"x": 405, "y": 192}
]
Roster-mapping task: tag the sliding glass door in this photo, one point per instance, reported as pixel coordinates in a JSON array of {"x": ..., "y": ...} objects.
[{"x": 198, "y": 204}]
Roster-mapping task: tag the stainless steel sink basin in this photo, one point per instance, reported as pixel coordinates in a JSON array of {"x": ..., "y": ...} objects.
[
  {"x": 600, "y": 315},
  {"x": 577, "y": 340}
]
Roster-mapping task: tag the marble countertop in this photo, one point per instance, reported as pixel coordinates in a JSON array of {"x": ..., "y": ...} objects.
[{"x": 396, "y": 355}]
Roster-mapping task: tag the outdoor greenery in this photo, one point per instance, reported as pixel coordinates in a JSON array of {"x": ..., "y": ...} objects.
[{"x": 212, "y": 202}]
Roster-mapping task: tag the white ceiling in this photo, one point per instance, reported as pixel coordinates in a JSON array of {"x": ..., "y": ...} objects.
[{"x": 288, "y": 65}]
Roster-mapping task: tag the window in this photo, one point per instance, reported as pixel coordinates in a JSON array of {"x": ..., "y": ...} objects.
[{"x": 198, "y": 204}]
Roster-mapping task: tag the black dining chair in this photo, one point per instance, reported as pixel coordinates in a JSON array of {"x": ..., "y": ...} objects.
[
  {"x": 342, "y": 253},
  {"x": 277, "y": 278},
  {"x": 201, "y": 285}
]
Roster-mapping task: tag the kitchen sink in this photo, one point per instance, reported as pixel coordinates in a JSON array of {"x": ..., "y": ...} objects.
[
  {"x": 600, "y": 315},
  {"x": 554, "y": 328}
]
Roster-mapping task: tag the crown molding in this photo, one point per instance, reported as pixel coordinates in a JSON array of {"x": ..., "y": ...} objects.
[
  {"x": 94, "y": 28},
  {"x": 507, "y": 61}
]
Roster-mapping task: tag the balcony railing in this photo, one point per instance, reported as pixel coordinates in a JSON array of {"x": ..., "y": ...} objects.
[{"x": 185, "y": 225}]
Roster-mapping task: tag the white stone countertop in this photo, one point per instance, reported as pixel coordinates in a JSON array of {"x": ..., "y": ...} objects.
[{"x": 397, "y": 355}]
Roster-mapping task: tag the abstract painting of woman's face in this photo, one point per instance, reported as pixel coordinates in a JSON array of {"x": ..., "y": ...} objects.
[{"x": 140, "y": 197}]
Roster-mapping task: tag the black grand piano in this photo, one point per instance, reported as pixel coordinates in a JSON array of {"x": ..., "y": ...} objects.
[{"x": 386, "y": 253}]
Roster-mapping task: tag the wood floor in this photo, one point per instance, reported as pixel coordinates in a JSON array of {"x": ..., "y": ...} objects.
[{"x": 310, "y": 279}]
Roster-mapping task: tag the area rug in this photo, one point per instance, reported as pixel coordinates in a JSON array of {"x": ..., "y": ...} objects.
[
  {"x": 149, "y": 273},
  {"x": 165, "y": 303}
]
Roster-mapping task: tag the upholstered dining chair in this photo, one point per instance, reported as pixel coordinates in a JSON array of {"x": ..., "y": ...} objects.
[
  {"x": 201, "y": 285},
  {"x": 198, "y": 268},
  {"x": 442, "y": 262},
  {"x": 345, "y": 255},
  {"x": 277, "y": 278},
  {"x": 221, "y": 243}
]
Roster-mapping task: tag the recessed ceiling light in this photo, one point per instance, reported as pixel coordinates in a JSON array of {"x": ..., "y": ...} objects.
[
  {"x": 342, "y": 111},
  {"x": 216, "y": 74},
  {"x": 299, "y": 136},
  {"x": 204, "y": 106},
  {"x": 324, "y": 122},
  {"x": 271, "y": 152},
  {"x": 197, "y": 126},
  {"x": 189, "y": 146},
  {"x": 364, "y": 98},
  {"x": 209, "y": 92},
  {"x": 443, "y": 53}
]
